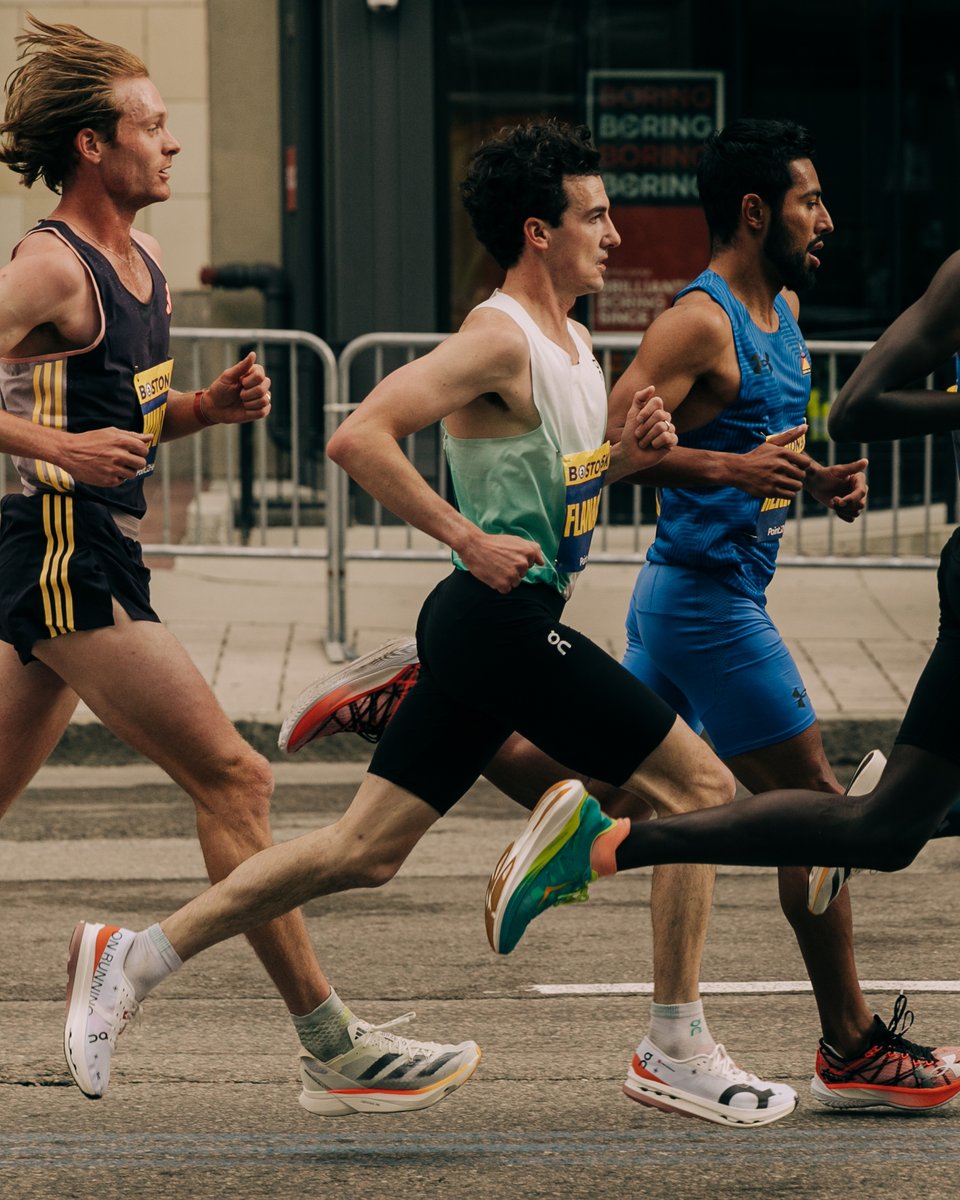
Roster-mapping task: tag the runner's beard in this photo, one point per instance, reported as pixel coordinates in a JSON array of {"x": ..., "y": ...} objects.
[{"x": 791, "y": 264}]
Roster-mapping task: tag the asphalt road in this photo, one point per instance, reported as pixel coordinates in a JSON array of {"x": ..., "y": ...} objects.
[{"x": 203, "y": 1098}]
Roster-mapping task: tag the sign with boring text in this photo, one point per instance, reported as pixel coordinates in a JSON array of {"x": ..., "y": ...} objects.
[{"x": 649, "y": 127}]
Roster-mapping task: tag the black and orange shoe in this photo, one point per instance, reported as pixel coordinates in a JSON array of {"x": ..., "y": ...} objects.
[
  {"x": 360, "y": 698},
  {"x": 891, "y": 1072}
]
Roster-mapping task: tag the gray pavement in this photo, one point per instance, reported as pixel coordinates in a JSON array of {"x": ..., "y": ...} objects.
[
  {"x": 203, "y": 1101},
  {"x": 256, "y": 630}
]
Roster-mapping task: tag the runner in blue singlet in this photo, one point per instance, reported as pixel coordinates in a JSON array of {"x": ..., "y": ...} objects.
[{"x": 710, "y": 646}]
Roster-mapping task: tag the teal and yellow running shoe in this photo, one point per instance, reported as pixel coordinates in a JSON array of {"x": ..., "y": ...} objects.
[{"x": 548, "y": 864}]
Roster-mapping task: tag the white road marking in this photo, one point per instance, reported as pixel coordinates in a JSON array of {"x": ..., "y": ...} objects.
[{"x": 763, "y": 987}]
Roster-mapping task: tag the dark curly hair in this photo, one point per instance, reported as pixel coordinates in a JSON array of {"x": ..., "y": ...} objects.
[
  {"x": 747, "y": 156},
  {"x": 65, "y": 82},
  {"x": 519, "y": 174}
]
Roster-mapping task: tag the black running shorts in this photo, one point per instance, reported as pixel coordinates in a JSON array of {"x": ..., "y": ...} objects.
[
  {"x": 492, "y": 664},
  {"x": 62, "y": 562},
  {"x": 931, "y": 719}
]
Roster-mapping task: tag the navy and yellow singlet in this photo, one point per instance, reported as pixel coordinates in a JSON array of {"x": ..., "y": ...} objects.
[{"x": 121, "y": 379}]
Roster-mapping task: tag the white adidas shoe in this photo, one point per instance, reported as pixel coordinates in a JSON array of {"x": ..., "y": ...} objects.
[{"x": 384, "y": 1073}]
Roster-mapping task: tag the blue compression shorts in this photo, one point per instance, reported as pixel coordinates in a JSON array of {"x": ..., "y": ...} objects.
[{"x": 717, "y": 658}]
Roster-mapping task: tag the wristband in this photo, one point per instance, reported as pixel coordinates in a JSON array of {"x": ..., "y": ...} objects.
[{"x": 198, "y": 410}]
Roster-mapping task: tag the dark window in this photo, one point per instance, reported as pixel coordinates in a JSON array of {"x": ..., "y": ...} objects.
[{"x": 876, "y": 83}]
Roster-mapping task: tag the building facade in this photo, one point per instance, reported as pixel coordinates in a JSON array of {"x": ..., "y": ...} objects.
[{"x": 326, "y": 137}]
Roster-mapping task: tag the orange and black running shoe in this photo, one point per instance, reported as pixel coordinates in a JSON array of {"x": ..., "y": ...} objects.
[
  {"x": 891, "y": 1072},
  {"x": 360, "y": 698}
]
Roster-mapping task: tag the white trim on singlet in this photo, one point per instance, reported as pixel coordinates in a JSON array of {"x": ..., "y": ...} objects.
[
  {"x": 30, "y": 358},
  {"x": 557, "y": 383}
]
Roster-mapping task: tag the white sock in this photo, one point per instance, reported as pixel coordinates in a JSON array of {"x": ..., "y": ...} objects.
[
  {"x": 680, "y": 1030},
  {"x": 150, "y": 960}
]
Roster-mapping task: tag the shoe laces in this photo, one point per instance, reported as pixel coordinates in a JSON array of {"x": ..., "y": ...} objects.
[
  {"x": 369, "y": 716},
  {"x": 126, "y": 1012},
  {"x": 375, "y": 1037},
  {"x": 719, "y": 1062},
  {"x": 893, "y": 1039}
]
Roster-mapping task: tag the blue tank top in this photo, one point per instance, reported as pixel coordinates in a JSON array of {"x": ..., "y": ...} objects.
[
  {"x": 724, "y": 530},
  {"x": 120, "y": 379}
]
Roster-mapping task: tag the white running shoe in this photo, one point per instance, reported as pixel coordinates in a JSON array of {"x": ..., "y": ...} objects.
[
  {"x": 824, "y": 884},
  {"x": 360, "y": 698},
  {"x": 384, "y": 1073},
  {"x": 100, "y": 1003},
  {"x": 709, "y": 1086}
]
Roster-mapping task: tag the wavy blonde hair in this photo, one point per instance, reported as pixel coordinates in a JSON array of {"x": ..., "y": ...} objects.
[{"x": 64, "y": 83}]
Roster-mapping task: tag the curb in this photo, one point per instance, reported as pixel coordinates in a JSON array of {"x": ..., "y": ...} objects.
[
  {"x": 845, "y": 740},
  {"x": 90, "y": 744}
]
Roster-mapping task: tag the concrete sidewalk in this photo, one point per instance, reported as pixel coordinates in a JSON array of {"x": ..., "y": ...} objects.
[{"x": 256, "y": 631}]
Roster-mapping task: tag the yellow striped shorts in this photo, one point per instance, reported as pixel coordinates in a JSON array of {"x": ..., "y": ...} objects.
[{"x": 63, "y": 561}]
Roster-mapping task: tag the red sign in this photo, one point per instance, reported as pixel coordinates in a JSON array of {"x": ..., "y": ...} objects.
[{"x": 649, "y": 127}]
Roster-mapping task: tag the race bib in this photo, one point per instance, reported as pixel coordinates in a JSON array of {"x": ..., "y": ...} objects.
[
  {"x": 152, "y": 386},
  {"x": 583, "y": 475}
]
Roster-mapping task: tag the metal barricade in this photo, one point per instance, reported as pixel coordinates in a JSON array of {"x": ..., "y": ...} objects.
[
  {"x": 902, "y": 531},
  {"x": 193, "y": 504},
  {"x": 277, "y": 480},
  {"x": 382, "y": 541},
  {"x": 898, "y": 531},
  {"x": 914, "y": 487}
]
